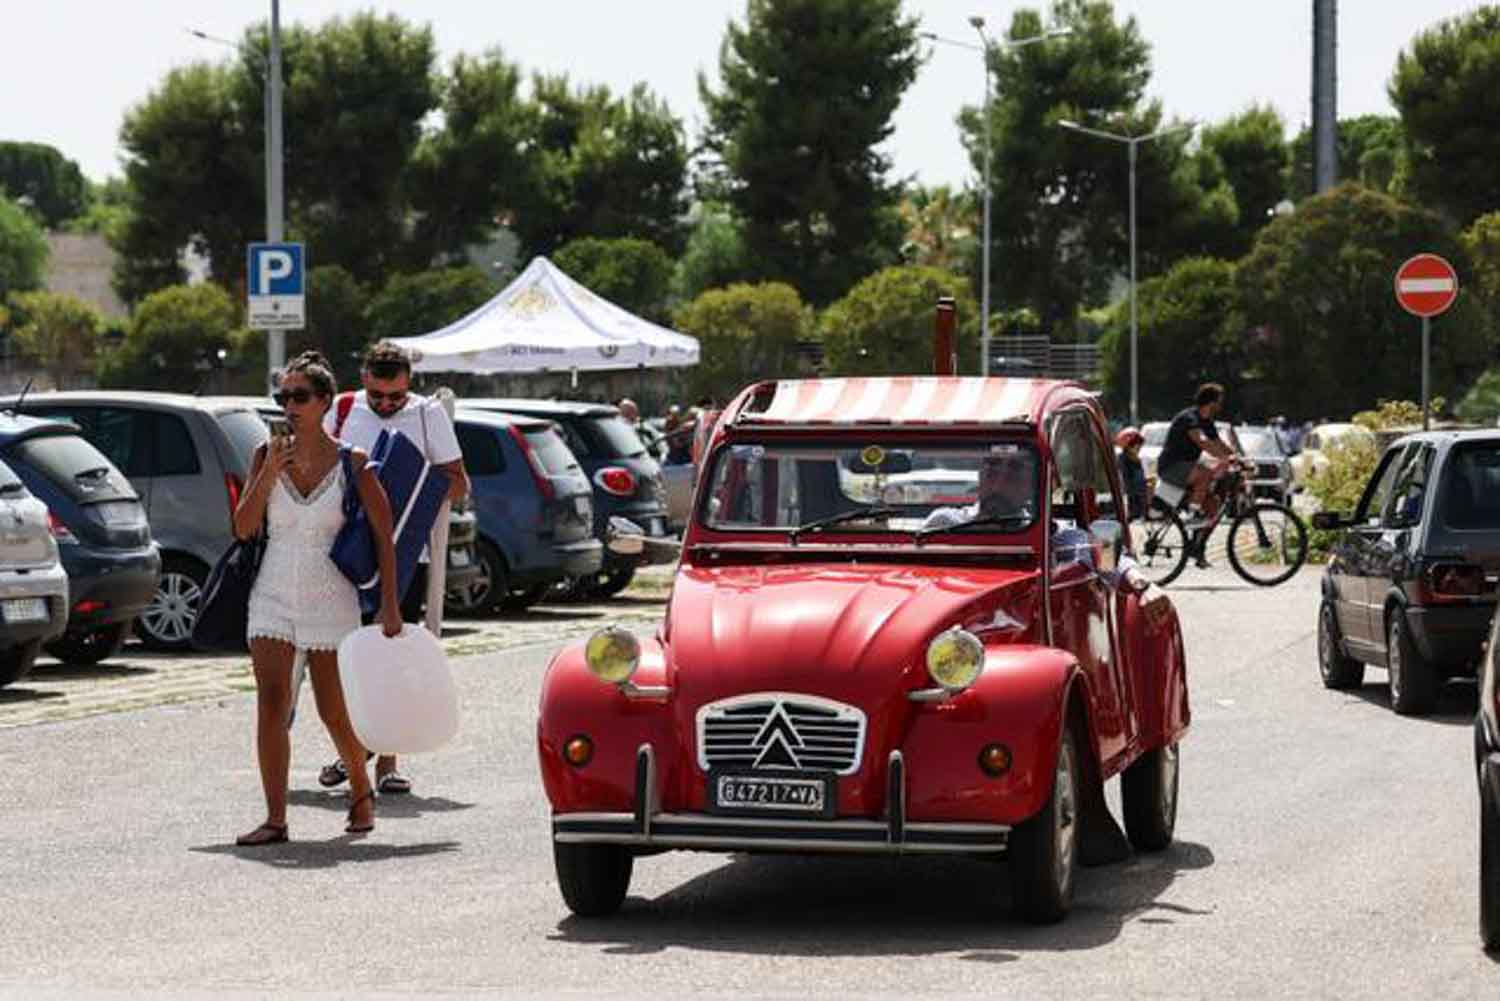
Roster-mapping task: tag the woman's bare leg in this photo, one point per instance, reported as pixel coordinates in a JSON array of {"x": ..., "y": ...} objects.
[
  {"x": 272, "y": 661},
  {"x": 323, "y": 668}
]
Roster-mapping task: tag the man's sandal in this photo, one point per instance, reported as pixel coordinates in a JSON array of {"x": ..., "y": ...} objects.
[
  {"x": 351, "y": 827},
  {"x": 265, "y": 834},
  {"x": 393, "y": 783},
  {"x": 336, "y": 774}
]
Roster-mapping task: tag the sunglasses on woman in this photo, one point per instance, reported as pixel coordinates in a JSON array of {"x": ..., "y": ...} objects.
[{"x": 299, "y": 396}]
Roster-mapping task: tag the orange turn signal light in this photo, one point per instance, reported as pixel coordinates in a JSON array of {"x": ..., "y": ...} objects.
[
  {"x": 994, "y": 760},
  {"x": 578, "y": 751}
]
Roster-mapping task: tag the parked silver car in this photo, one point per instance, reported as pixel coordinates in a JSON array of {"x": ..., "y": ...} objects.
[
  {"x": 188, "y": 458},
  {"x": 33, "y": 584},
  {"x": 1273, "y": 467}
]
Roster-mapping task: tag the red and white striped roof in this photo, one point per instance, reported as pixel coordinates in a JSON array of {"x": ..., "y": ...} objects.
[{"x": 915, "y": 400}]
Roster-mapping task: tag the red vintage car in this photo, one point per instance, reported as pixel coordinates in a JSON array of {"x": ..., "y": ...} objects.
[{"x": 904, "y": 622}]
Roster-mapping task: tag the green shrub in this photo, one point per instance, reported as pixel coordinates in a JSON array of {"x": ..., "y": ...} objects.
[{"x": 1340, "y": 486}]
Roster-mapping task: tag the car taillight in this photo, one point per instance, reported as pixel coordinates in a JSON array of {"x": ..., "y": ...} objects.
[
  {"x": 1453, "y": 582},
  {"x": 234, "y": 487},
  {"x": 534, "y": 461},
  {"x": 62, "y": 533},
  {"x": 615, "y": 480}
]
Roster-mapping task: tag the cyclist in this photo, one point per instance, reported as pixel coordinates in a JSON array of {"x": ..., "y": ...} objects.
[{"x": 1191, "y": 434}]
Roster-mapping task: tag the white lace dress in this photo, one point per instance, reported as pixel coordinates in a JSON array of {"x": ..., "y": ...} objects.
[{"x": 299, "y": 595}]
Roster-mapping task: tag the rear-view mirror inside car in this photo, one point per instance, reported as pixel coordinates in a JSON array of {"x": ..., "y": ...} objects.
[{"x": 877, "y": 460}]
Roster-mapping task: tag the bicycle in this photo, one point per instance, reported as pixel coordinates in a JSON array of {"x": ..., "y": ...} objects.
[{"x": 1266, "y": 543}]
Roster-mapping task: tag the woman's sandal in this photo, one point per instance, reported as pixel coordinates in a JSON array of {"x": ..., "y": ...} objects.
[
  {"x": 351, "y": 827},
  {"x": 265, "y": 834}
]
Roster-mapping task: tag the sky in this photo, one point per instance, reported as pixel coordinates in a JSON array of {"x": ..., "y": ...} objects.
[{"x": 72, "y": 68}]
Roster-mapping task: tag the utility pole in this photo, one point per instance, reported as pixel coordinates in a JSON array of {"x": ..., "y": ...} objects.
[
  {"x": 1325, "y": 95},
  {"x": 275, "y": 194}
]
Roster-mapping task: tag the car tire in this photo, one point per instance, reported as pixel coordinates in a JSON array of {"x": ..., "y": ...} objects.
[
  {"x": 88, "y": 647},
  {"x": 490, "y": 587},
  {"x": 1414, "y": 684},
  {"x": 608, "y": 583},
  {"x": 167, "y": 623},
  {"x": 593, "y": 878},
  {"x": 522, "y": 598},
  {"x": 16, "y": 662},
  {"x": 1339, "y": 670},
  {"x": 1044, "y": 849},
  {"x": 1148, "y": 791},
  {"x": 1489, "y": 871}
]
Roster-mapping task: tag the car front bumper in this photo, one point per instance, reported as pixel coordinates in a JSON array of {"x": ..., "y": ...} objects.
[{"x": 646, "y": 828}]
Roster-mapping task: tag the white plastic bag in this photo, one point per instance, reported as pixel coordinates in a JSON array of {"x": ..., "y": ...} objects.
[{"x": 399, "y": 690}]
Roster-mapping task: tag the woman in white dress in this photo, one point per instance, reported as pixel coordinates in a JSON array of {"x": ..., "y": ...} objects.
[{"x": 300, "y": 600}]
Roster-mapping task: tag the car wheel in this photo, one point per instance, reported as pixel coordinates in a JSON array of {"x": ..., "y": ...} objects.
[
  {"x": 1489, "y": 871},
  {"x": 167, "y": 623},
  {"x": 522, "y": 598},
  {"x": 1414, "y": 685},
  {"x": 85, "y": 649},
  {"x": 1148, "y": 791},
  {"x": 489, "y": 586},
  {"x": 608, "y": 584},
  {"x": 16, "y": 662},
  {"x": 593, "y": 878},
  {"x": 1339, "y": 670},
  {"x": 1044, "y": 849}
]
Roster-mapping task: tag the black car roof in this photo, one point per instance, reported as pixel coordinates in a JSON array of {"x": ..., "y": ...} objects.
[
  {"x": 544, "y": 408},
  {"x": 498, "y": 418}
]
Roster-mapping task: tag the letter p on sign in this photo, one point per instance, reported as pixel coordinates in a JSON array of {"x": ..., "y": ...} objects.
[{"x": 274, "y": 264}]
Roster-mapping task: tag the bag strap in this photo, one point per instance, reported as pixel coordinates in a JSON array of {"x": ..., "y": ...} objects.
[{"x": 345, "y": 403}]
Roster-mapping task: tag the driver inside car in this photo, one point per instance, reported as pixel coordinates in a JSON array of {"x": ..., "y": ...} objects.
[{"x": 1006, "y": 491}]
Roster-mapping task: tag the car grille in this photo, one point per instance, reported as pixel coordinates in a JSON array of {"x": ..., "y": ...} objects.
[
  {"x": 1268, "y": 470},
  {"x": 781, "y": 730}
]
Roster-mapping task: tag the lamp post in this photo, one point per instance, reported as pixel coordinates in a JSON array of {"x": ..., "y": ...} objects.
[
  {"x": 989, "y": 44},
  {"x": 1131, "y": 143},
  {"x": 275, "y": 192}
]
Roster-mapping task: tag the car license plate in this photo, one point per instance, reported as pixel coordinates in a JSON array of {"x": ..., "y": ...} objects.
[
  {"x": 581, "y": 506},
  {"x": 794, "y": 794},
  {"x": 24, "y": 609}
]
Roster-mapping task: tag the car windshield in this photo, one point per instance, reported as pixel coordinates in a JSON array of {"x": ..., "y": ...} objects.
[
  {"x": 1259, "y": 443},
  {"x": 10, "y": 483},
  {"x": 1471, "y": 488},
  {"x": 872, "y": 486},
  {"x": 77, "y": 468},
  {"x": 246, "y": 431},
  {"x": 549, "y": 449},
  {"x": 612, "y": 438}
]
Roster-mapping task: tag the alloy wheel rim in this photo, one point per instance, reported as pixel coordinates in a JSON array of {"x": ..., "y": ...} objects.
[
  {"x": 473, "y": 595},
  {"x": 1067, "y": 816},
  {"x": 173, "y": 608}
]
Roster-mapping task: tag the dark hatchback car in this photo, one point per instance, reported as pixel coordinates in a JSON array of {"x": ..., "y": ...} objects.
[
  {"x": 535, "y": 509},
  {"x": 627, "y": 481},
  {"x": 1487, "y": 764},
  {"x": 1411, "y": 583},
  {"x": 100, "y": 527}
]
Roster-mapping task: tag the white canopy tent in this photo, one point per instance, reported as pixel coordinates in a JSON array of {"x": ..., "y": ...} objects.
[{"x": 544, "y": 321}]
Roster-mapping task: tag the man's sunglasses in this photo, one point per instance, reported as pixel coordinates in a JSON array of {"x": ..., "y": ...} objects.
[
  {"x": 298, "y": 396},
  {"x": 376, "y": 396},
  {"x": 388, "y": 369}
]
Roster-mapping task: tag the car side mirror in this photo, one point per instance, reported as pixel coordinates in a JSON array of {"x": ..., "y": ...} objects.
[
  {"x": 1331, "y": 521},
  {"x": 1109, "y": 536}
]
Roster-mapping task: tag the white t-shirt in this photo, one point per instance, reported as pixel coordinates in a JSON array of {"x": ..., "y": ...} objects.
[{"x": 434, "y": 434}]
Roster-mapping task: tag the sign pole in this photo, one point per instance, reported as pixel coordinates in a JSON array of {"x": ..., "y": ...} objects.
[{"x": 1426, "y": 369}]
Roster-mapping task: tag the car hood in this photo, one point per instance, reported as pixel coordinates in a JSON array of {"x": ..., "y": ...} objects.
[{"x": 833, "y": 630}]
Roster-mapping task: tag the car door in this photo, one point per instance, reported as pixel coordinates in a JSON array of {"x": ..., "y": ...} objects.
[
  {"x": 1081, "y": 603},
  {"x": 1351, "y": 560},
  {"x": 1401, "y": 515}
]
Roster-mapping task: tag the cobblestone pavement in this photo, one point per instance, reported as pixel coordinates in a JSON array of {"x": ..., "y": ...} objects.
[{"x": 137, "y": 678}]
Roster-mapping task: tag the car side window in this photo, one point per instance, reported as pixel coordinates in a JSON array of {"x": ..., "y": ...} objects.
[
  {"x": 1072, "y": 467},
  {"x": 1404, "y": 507},
  {"x": 175, "y": 454},
  {"x": 1378, "y": 490},
  {"x": 481, "y": 451}
]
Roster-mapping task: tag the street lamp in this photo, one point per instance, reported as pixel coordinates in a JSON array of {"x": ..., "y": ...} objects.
[
  {"x": 988, "y": 45},
  {"x": 275, "y": 192},
  {"x": 1131, "y": 142}
]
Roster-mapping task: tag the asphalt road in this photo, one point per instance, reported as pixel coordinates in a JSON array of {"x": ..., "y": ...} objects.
[{"x": 1326, "y": 848}]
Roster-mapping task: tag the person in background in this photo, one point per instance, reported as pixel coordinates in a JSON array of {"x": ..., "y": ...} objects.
[
  {"x": 629, "y": 411},
  {"x": 679, "y": 433},
  {"x": 301, "y": 602},
  {"x": 387, "y": 403},
  {"x": 1133, "y": 473}
]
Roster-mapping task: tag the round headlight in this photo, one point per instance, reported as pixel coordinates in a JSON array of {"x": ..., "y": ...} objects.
[
  {"x": 955, "y": 658},
  {"x": 613, "y": 654}
]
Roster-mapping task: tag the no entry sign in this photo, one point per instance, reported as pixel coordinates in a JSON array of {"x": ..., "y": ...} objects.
[{"x": 1426, "y": 285}]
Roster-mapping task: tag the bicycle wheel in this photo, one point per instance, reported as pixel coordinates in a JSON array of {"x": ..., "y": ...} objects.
[
  {"x": 1267, "y": 544},
  {"x": 1160, "y": 543}
]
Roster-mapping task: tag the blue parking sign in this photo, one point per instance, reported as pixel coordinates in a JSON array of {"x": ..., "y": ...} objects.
[{"x": 274, "y": 286}]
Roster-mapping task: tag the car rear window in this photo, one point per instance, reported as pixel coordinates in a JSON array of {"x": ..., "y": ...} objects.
[
  {"x": 246, "y": 432},
  {"x": 549, "y": 448},
  {"x": 481, "y": 450},
  {"x": 77, "y": 468},
  {"x": 612, "y": 438},
  {"x": 1471, "y": 487}
]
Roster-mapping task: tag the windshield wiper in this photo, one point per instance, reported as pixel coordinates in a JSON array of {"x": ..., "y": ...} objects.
[
  {"x": 1010, "y": 519},
  {"x": 868, "y": 511}
]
